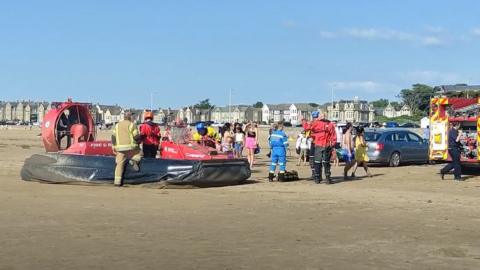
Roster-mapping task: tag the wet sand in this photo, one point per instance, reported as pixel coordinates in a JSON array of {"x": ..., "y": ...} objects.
[{"x": 403, "y": 218}]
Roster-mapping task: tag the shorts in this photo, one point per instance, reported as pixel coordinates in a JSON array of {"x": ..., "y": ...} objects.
[
  {"x": 347, "y": 157},
  {"x": 238, "y": 147}
]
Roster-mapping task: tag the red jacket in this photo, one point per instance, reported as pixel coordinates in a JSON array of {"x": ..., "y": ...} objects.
[
  {"x": 307, "y": 128},
  {"x": 323, "y": 132},
  {"x": 305, "y": 124},
  {"x": 150, "y": 133}
]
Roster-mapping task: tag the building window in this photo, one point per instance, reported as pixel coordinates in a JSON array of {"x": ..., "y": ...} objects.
[{"x": 349, "y": 115}]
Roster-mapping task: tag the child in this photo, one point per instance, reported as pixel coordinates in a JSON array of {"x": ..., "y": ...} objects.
[
  {"x": 227, "y": 145},
  {"x": 278, "y": 143},
  {"x": 239, "y": 141},
  {"x": 303, "y": 144}
]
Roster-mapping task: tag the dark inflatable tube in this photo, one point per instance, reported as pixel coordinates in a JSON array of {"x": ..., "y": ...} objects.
[{"x": 66, "y": 168}]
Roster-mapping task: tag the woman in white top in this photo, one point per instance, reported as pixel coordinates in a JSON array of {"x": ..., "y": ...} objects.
[
  {"x": 239, "y": 141},
  {"x": 303, "y": 144}
]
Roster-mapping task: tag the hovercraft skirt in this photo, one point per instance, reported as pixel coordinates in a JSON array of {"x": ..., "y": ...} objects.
[{"x": 67, "y": 168}]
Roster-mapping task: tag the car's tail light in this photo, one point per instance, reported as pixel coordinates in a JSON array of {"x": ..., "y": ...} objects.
[{"x": 379, "y": 146}]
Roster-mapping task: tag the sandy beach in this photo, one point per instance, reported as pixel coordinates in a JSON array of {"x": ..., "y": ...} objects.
[{"x": 402, "y": 218}]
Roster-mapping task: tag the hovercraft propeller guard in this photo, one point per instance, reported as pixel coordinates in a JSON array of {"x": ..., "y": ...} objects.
[
  {"x": 69, "y": 128},
  {"x": 85, "y": 160}
]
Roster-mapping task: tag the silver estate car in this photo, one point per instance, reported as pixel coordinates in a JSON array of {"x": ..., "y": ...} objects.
[{"x": 393, "y": 146}]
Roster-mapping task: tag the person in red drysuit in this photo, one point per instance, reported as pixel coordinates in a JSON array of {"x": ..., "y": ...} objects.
[{"x": 150, "y": 133}]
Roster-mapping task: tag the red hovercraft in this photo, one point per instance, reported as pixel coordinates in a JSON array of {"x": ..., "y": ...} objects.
[{"x": 73, "y": 155}]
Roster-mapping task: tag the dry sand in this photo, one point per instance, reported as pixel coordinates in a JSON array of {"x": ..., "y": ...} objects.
[{"x": 403, "y": 218}]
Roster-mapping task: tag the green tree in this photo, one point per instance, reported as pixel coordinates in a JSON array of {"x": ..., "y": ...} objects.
[
  {"x": 396, "y": 105},
  {"x": 381, "y": 103},
  {"x": 417, "y": 98},
  {"x": 204, "y": 105},
  {"x": 315, "y": 105},
  {"x": 258, "y": 105}
]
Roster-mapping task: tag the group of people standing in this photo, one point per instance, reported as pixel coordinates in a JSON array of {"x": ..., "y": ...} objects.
[
  {"x": 231, "y": 138},
  {"x": 238, "y": 137},
  {"x": 319, "y": 142}
]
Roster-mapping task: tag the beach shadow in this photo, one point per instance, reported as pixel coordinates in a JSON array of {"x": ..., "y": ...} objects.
[
  {"x": 338, "y": 180},
  {"x": 250, "y": 182},
  {"x": 466, "y": 175},
  {"x": 471, "y": 171}
]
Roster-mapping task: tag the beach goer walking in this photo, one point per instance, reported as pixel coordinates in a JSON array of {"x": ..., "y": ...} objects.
[
  {"x": 338, "y": 143},
  {"x": 361, "y": 156},
  {"x": 347, "y": 149},
  {"x": 251, "y": 142}
]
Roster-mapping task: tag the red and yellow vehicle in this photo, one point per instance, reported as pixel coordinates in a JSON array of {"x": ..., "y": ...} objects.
[{"x": 447, "y": 110}]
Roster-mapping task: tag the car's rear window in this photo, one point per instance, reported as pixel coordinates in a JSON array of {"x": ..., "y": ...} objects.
[{"x": 372, "y": 136}]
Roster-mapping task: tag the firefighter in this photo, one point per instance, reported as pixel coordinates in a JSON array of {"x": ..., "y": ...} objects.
[
  {"x": 150, "y": 133},
  {"x": 278, "y": 141},
  {"x": 325, "y": 138},
  {"x": 454, "y": 150},
  {"x": 125, "y": 141}
]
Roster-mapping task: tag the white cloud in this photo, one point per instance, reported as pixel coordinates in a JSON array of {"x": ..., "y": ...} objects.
[
  {"x": 327, "y": 34},
  {"x": 361, "y": 87},
  {"x": 432, "y": 77},
  {"x": 435, "y": 29},
  {"x": 289, "y": 24},
  {"x": 365, "y": 90},
  {"x": 388, "y": 35},
  {"x": 431, "y": 41},
  {"x": 373, "y": 33},
  {"x": 476, "y": 31}
]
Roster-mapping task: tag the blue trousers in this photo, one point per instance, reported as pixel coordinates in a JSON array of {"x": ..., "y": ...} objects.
[
  {"x": 279, "y": 156},
  {"x": 455, "y": 164}
]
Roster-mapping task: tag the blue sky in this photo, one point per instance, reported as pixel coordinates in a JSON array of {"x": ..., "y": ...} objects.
[{"x": 118, "y": 52}]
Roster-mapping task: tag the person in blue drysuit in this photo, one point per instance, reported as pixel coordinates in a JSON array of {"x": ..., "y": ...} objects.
[{"x": 278, "y": 143}]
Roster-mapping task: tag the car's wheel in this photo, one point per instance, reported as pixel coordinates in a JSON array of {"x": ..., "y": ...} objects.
[{"x": 394, "y": 159}]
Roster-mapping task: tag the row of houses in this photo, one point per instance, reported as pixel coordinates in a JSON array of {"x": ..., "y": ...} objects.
[
  {"x": 237, "y": 113},
  {"x": 343, "y": 111},
  {"x": 34, "y": 112},
  {"x": 391, "y": 111},
  {"x": 351, "y": 111},
  {"x": 23, "y": 111}
]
